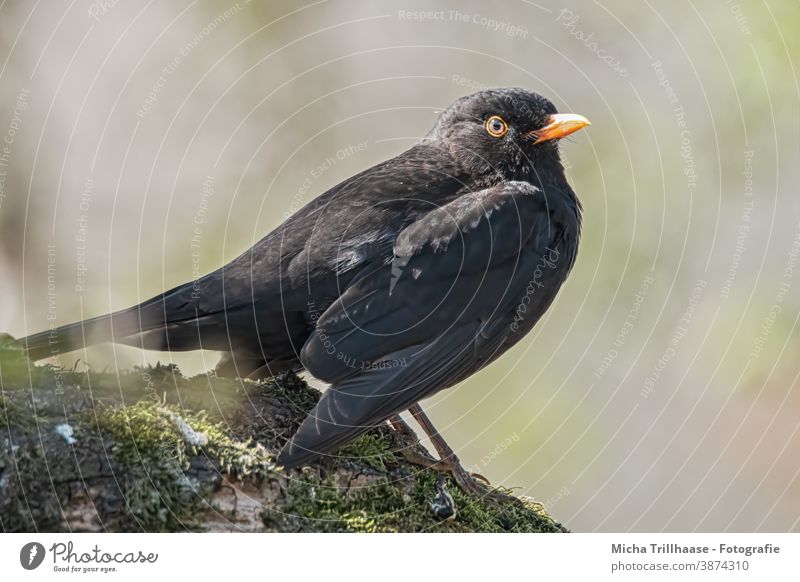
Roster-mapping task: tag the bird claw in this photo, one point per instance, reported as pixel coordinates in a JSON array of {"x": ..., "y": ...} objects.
[
  {"x": 448, "y": 463},
  {"x": 417, "y": 455},
  {"x": 465, "y": 480},
  {"x": 480, "y": 477}
]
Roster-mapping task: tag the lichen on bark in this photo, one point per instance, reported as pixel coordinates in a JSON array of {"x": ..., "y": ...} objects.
[{"x": 151, "y": 450}]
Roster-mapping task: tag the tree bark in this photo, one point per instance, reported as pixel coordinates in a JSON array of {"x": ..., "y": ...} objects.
[{"x": 151, "y": 450}]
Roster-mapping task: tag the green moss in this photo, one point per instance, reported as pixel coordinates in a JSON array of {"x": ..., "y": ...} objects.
[
  {"x": 156, "y": 445},
  {"x": 523, "y": 516},
  {"x": 27, "y": 503},
  {"x": 12, "y": 414},
  {"x": 14, "y": 366},
  {"x": 399, "y": 504},
  {"x": 292, "y": 389},
  {"x": 487, "y": 515},
  {"x": 372, "y": 449},
  {"x": 321, "y": 506},
  {"x": 359, "y": 521},
  {"x": 165, "y": 461},
  {"x": 151, "y": 455}
]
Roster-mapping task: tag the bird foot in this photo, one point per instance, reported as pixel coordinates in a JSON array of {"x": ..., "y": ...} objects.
[
  {"x": 417, "y": 455},
  {"x": 467, "y": 481}
]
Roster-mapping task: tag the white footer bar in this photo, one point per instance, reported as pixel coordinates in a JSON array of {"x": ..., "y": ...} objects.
[{"x": 406, "y": 557}]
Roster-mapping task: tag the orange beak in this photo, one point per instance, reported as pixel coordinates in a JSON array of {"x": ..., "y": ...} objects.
[{"x": 560, "y": 125}]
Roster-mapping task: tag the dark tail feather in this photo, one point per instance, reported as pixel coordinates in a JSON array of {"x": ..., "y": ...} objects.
[
  {"x": 357, "y": 404},
  {"x": 112, "y": 327},
  {"x": 137, "y": 326}
]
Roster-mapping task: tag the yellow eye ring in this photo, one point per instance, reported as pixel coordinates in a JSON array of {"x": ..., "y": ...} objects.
[{"x": 496, "y": 127}]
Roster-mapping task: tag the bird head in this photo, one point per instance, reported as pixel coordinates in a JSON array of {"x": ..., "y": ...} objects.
[{"x": 510, "y": 132}]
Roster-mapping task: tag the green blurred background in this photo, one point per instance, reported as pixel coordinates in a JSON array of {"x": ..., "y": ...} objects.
[{"x": 146, "y": 144}]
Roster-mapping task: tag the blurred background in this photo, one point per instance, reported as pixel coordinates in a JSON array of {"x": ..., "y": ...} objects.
[{"x": 143, "y": 145}]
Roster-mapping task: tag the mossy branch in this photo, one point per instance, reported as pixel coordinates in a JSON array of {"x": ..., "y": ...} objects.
[{"x": 151, "y": 450}]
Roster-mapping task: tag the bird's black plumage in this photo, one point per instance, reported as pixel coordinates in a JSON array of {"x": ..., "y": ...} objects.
[{"x": 395, "y": 284}]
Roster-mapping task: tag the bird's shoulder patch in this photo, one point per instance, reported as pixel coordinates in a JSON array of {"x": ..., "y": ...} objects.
[{"x": 437, "y": 229}]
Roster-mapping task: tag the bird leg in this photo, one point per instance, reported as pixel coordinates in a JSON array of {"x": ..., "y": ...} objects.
[
  {"x": 416, "y": 453},
  {"x": 448, "y": 459},
  {"x": 400, "y": 426}
]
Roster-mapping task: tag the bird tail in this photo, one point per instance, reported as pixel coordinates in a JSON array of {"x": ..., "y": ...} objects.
[
  {"x": 144, "y": 325},
  {"x": 361, "y": 402},
  {"x": 115, "y": 327}
]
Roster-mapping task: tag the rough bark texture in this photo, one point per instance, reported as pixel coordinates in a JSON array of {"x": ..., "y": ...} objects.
[{"x": 150, "y": 450}]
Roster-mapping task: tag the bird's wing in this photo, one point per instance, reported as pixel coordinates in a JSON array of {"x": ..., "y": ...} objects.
[
  {"x": 360, "y": 402},
  {"x": 455, "y": 264},
  {"x": 426, "y": 321}
]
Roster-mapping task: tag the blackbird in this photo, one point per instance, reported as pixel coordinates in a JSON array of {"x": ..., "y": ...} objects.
[{"x": 391, "y": 286}]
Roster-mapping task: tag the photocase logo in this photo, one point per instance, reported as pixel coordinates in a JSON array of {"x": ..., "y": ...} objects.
[{"x": 31, "y": 555}]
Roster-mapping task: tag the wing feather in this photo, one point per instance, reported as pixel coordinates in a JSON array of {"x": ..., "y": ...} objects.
[{"x": 381, "y": 344}]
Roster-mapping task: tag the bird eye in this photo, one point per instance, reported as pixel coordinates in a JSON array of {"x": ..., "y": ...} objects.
[{"x": 496, "y": 127}]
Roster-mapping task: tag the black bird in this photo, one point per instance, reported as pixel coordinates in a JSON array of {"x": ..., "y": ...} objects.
[{"x": 391, "y": 286}]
